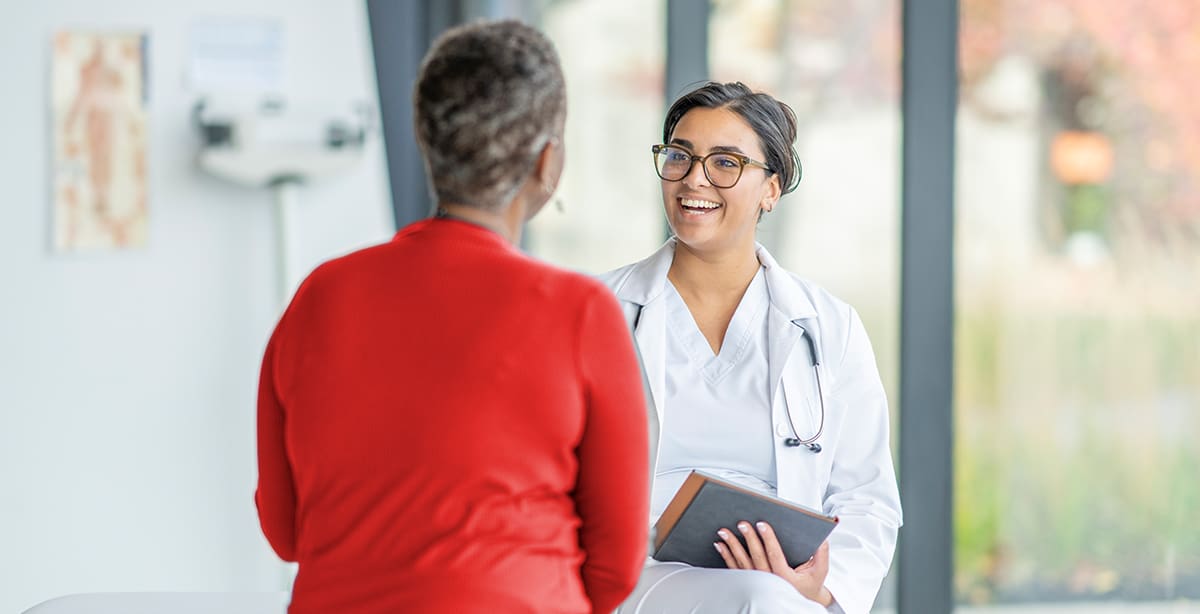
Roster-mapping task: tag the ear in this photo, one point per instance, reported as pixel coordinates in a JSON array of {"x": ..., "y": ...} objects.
[
  {"x": 772, "y": 193},
  {"x": 544, "y": 169}
]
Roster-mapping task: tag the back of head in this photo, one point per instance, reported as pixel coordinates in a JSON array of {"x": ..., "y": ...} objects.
[
  {"x": 773, "y": 121},
  {"x": 489, "y": 95}
]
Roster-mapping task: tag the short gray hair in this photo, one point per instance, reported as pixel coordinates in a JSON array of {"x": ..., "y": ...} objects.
[{"x": 489, "y": 96}]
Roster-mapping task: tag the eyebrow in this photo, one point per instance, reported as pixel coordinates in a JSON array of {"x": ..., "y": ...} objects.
[{"x": 727, "y": 148}]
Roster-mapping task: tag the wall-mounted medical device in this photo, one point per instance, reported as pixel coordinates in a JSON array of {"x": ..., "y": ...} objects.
[
  {"x": 270, "y": 145},
  {"x": 270, "y": 142}
]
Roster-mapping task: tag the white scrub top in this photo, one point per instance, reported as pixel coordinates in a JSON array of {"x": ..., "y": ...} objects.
[{"x": 717, "y": 409}]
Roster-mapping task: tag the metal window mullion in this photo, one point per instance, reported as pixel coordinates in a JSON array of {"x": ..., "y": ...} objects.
[
  {"x": 929, "y": 103},
  {"x": 401, "y": 33}
]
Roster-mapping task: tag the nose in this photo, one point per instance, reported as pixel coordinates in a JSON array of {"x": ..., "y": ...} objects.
[{"x": 695, "y": 176}]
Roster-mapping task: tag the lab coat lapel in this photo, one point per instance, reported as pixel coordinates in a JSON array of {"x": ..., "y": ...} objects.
[
  {"x": 790, "y": 307},
  {"x": 643, "y": 289},
  {"x": 782, "y": 335},
  {"x": 651, "y": 339}
]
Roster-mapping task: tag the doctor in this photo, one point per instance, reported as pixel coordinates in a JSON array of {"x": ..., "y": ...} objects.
[{"x": 754, "y": 373}]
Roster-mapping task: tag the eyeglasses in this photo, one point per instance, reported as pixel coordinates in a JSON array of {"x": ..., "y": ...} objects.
[{"x": 722, "y": 168}]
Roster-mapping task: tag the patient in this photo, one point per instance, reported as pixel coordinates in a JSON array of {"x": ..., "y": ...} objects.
[{"x": 445, "y": 424}]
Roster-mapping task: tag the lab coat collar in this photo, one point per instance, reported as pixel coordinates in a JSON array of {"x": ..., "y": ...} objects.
[
  {"x": 787, "y": 295},
  {"x": 648, "y": 277},
  {"x": 647, "y": 280}
]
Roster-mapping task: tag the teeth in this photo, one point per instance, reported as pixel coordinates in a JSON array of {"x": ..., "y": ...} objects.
[{"x": 699, "y": 204}]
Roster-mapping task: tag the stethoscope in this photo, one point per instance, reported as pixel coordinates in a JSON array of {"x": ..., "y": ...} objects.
[{"x": 811, "y": 443}]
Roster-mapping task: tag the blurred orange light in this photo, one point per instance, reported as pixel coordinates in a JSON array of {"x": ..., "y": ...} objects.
[{"x": 1081, "y": 157}]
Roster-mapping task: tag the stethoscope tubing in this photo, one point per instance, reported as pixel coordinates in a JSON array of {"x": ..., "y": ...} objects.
[{"x": 811, "y": 442}]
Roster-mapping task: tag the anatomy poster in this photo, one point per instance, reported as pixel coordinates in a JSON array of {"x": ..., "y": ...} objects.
[{"x": 99, "y": 123}]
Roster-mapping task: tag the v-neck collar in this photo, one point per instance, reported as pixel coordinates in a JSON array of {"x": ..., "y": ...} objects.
[{"x": 747, "y": 318}]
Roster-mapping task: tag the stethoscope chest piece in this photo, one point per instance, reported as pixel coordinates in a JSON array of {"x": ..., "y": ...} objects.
[{"x": 794, "y": 442}]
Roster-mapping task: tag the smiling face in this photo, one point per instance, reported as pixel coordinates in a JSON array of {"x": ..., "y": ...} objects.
[{"x": 706, "y": 218}]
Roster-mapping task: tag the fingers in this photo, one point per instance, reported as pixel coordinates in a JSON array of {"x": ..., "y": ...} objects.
[
  {"x": 758, "y": 557},
  {"x": 725, "y": 555},
  {"x": 819, "y": 561},
  {"x": 776, "y": 560},
  {"x": 731, "y": 543},
  {"x": 821, "y": 558}
]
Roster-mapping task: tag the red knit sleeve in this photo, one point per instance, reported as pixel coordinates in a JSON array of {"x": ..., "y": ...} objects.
[
  {"x": 276, "y": 494},
  {"x": 612, "y": 494}
]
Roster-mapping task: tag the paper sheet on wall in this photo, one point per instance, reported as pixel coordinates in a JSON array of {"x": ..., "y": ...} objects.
[
  {"x": 98, "y": 104},
  {"x": 236, "y": 55}
]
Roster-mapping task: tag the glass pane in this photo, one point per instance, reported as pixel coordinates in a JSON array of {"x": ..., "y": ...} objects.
[
  {"x": 611, "y": 209},
  {"x": 837, "y": 64},
  {"x": 1078, "y": 306}
]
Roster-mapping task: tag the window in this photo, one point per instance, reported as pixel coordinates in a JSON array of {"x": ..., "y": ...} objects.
[
  {"x": 1078, "y": 303},
  {"x": 611, "y": 208}
]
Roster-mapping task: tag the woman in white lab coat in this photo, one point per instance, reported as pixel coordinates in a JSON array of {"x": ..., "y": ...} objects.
[{"x": 754, "y": 373}]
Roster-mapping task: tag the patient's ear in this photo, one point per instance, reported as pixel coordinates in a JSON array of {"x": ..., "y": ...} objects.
[{"x": 549, "y": 165}]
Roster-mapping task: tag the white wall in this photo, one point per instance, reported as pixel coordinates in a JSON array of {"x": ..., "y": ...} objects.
[{"x": 127, "y": 379}]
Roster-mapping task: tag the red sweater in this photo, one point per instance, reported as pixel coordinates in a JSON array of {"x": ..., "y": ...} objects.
[{"x": 447, "y": 425}]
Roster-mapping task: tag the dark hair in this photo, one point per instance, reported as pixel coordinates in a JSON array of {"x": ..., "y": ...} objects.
[
  {"x": 773, "y": 121},
  {"x": 488, "y": 97}
]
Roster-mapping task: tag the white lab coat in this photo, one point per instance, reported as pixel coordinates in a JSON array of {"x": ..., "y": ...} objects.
[{"x": 852, "y": 477}]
